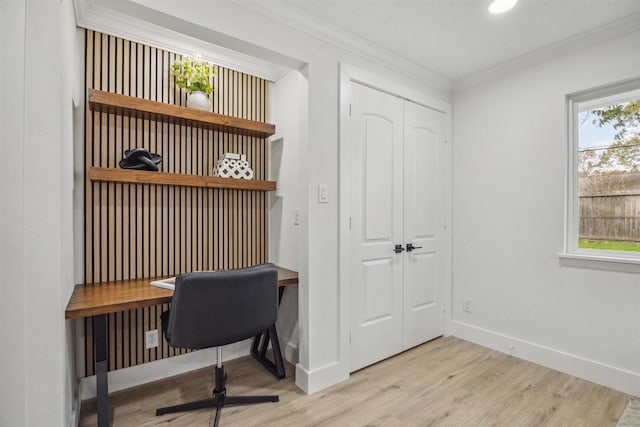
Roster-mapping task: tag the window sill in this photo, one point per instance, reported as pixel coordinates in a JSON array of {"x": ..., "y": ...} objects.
[{"x": 600, "y": 261}]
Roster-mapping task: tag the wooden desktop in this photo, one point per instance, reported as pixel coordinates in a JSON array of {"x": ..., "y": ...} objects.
[{"x": 108, "y": 297}]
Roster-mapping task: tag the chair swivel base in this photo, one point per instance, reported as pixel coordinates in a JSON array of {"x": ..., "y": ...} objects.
[{"x": 218, "y": 401}]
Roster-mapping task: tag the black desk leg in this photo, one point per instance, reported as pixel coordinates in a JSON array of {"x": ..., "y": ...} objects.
[
  {"x": 270, "y": 335},
  {"x": 277, "y": 366},
  {"x": 101, "y": 367}
]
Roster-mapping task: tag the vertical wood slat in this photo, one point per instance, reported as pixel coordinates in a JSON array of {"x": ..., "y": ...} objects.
[{"x": 141, "y": 230}]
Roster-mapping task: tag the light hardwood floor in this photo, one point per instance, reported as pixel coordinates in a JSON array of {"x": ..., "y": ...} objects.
[{"x": 446, "y": 382}]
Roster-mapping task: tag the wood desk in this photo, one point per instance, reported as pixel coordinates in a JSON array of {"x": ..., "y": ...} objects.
[{"x": 99, "y": 299}]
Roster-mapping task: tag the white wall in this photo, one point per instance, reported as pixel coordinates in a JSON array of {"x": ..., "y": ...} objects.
[
  {"x": 287, "y": 108},
  {"x": 36, "y": 183},
  {"x": 13, "y": 366},
  {"x": 510, "y": 153}
]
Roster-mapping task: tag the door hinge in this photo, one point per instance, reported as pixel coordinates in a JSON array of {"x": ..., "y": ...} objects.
[
  {"x": 349, "y": 336},
  {"x": 349, "y": 110},
  {"x": 349, "y": 223},
  {"x": 445, "y": 223}
]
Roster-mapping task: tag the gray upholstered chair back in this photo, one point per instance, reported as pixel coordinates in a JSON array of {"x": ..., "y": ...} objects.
[{"x": 216, "y": 308}]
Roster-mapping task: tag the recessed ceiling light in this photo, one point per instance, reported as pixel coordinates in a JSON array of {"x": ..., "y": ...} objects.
[{"x": 501, "y": 6}]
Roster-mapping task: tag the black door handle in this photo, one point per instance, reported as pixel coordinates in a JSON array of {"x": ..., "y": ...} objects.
[
  {"x": 410, "y": 247},
  {"x": 398, "y": 249}
]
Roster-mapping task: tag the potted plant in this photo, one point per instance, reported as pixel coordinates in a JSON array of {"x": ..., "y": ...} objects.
[{"x": 194, "y": 74}]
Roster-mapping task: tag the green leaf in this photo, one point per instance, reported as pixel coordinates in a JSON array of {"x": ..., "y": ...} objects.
[{"x": 194, "y": 74}]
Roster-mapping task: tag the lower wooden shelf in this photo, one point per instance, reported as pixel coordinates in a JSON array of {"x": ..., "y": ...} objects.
[{"x": 164, "y": 178}]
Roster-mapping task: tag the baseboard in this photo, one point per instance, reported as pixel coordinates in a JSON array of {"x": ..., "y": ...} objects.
[
  {"x": 159, "y": 369},
  {"x": 590, "y": 370},
  {"x": 74, "y": 419},
  {"x": 291, "y": 353},
  {"x": 321, "y": 378}
]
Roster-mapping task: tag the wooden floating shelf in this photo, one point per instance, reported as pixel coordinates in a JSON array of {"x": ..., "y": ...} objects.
[
  {"x": 143, "y": 108},
  {"x": 162, "y": 178}
]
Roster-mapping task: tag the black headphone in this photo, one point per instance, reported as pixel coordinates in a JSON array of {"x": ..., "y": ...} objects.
[{"x": 141, "y": 159}]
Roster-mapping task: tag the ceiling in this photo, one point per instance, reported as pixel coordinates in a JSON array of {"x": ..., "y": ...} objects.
[{"x": 456, "y": 39}]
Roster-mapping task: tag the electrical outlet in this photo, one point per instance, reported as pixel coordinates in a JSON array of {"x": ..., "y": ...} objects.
[
  {"x": 151, "y": 338},
  {"x": 466, "y": 305}
]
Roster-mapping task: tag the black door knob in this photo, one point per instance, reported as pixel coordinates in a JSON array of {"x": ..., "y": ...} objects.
[
  {"x": 410, "y": 247},
  {"x": 398, "y": 249}
]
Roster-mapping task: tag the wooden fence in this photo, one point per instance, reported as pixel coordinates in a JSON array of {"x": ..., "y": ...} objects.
[{"x": 610, "y": 207}]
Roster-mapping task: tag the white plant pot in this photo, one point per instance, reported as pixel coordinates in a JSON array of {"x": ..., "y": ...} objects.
[{"x": 198, "y": 100}]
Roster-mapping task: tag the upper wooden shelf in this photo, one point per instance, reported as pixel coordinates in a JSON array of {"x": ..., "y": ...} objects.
[
  {"x": 122, "y": 104},
  {"x": 163, "y": 178}
]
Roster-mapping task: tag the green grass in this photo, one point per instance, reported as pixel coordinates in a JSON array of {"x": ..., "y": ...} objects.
[{"x": 609, "y": 245}]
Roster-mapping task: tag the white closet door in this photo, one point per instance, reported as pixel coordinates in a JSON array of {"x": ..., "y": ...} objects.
[
  {"x": 376, "y": 128},
  {"x": 424, "y": 132}
]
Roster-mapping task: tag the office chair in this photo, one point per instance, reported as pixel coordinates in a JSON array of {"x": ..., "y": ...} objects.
[{"x": 215, "y": 308}]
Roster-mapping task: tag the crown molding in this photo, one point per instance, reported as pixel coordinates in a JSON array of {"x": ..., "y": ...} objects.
[
  {"x": 92, "y": 15},
  {"x": 289, "y": 14},
  {"x": 123, "y": 19},
  {"x": 563, "y": 48}
]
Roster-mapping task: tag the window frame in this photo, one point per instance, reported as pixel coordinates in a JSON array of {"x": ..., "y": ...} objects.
[{"x": 573, "y": 255}]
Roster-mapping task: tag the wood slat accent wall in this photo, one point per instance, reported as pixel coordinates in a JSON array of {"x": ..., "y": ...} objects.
[{"x": 143, "y": 230}]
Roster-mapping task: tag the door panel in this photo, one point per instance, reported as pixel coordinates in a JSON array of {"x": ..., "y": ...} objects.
[
  {"x": 377, "y": 146},
  {"x": 424, "y": 267},
  {"x": 423, "y": 314},
  {"x": 378, "y": 290},
  {"x": 376, "y": 129},
  {"x": 423, "y": 216},
  {"x": 421, "y": 151}
]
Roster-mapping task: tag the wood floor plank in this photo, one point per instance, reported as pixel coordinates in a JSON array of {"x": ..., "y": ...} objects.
[{"x": 446, "y": 382}]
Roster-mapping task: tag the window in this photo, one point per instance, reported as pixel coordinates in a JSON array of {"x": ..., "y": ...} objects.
[{"x": 603, "y": 206}]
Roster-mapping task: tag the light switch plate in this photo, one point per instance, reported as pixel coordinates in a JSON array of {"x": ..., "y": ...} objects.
[
  {"x": 296, "y": 216},
  {"x": 323, "y": 193}
]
